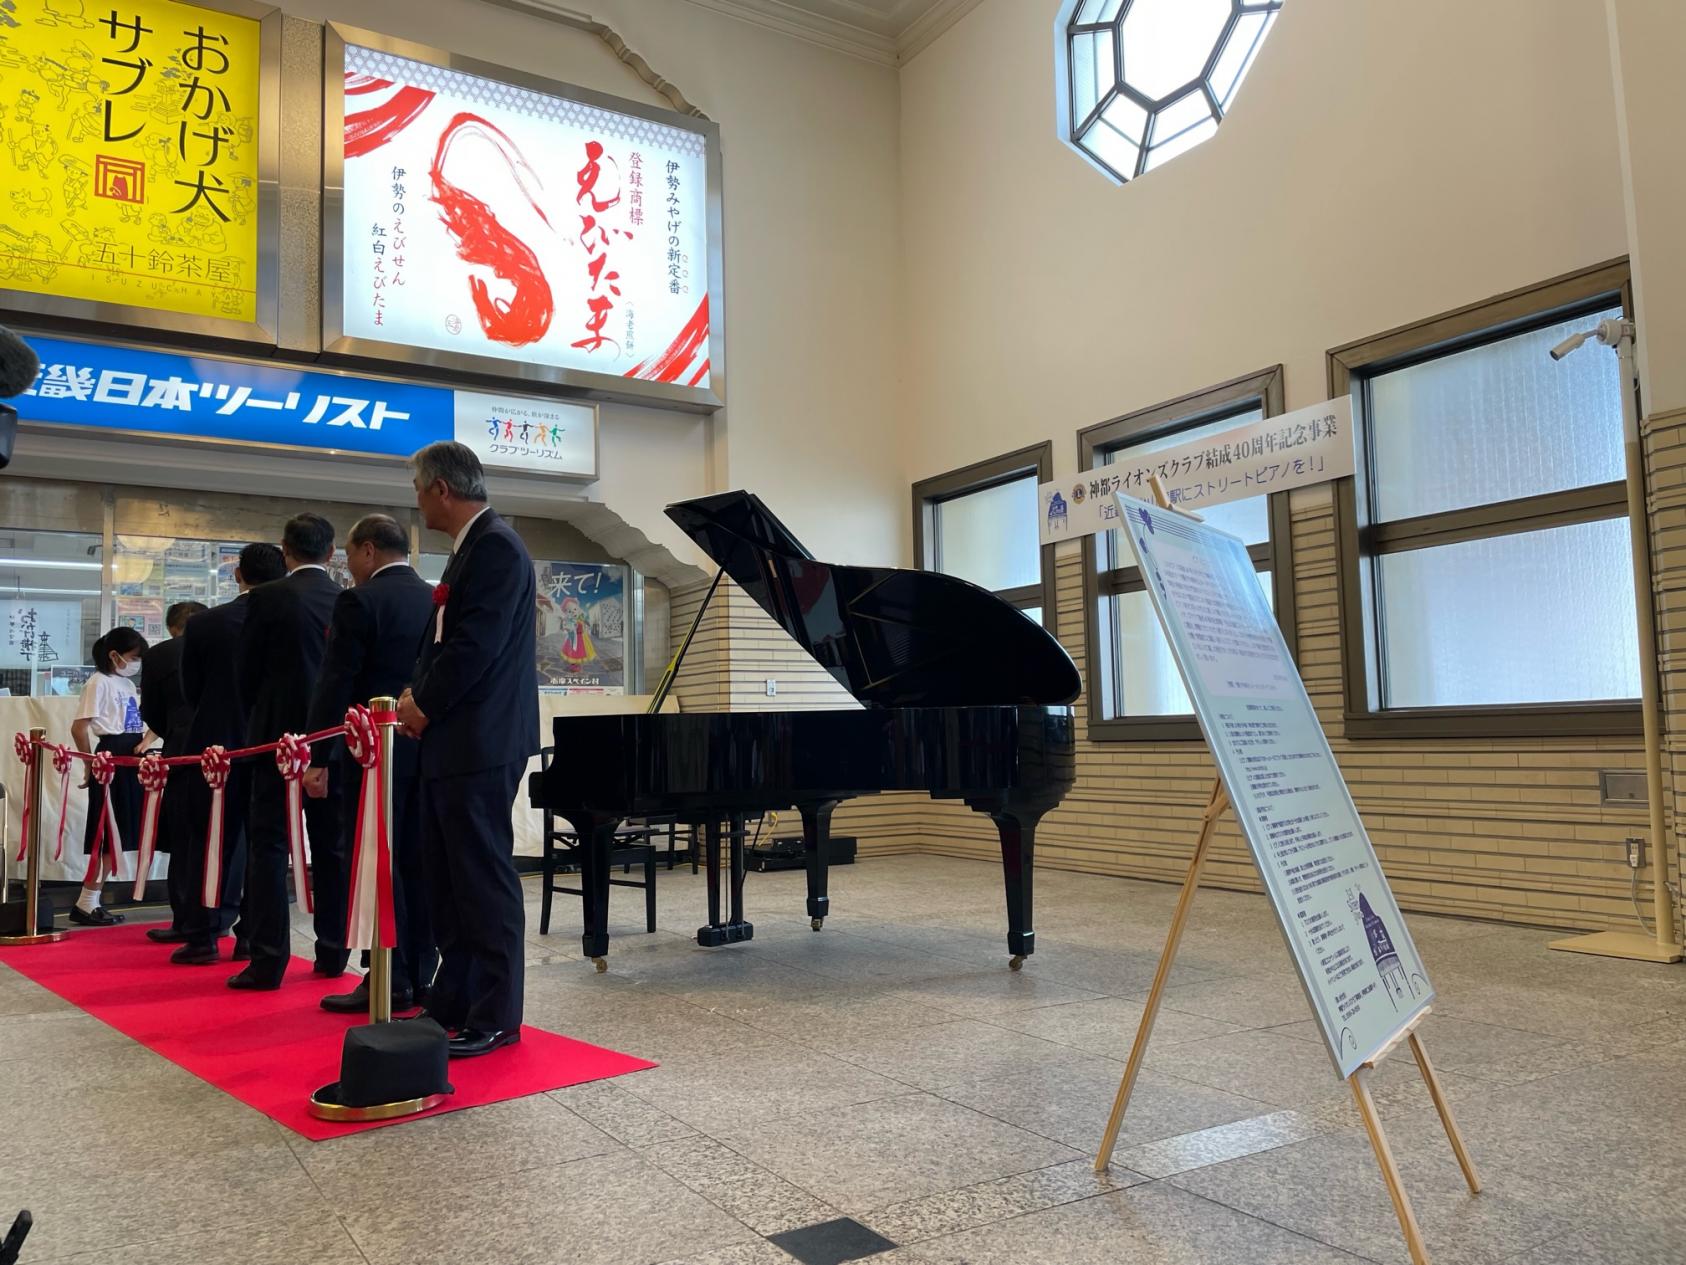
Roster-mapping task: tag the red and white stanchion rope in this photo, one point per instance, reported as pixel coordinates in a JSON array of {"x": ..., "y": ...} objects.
[
  {"x": 26, "y": 752},
  {"x": 61, "y": 765},
  {"x": 370, "y": 923},
  {"x": 154, "y": 774},
  {"x": 292, "y": 757},
  {"x": 215, "y": 765},
  {"x": 102, "y": 768}
]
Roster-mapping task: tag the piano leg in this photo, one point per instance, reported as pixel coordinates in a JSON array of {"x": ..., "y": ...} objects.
[
  {"x": 1017, "y": 828},
  {"x": 735, "y": 929},
  {"x": 711, "y": 867},
  {"x": 597, "y": 839},
  {"x": 816, "y": 834}
]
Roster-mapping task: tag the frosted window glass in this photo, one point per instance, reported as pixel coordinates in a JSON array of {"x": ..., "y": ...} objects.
[
  {"x": 1148, "y": 681},
  {"x": 1538, "y": 617},
  {"x": 1496, "y": 423},
  {"x": 989, "y": 537},
  {"x": 1248, "y": 519}
]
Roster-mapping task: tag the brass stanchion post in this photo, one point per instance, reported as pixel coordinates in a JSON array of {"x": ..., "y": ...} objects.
[
  {"x": 380, "y": 956},
  {"x": 324, "y": 1104},
  {"x": 32, "y": 871}
]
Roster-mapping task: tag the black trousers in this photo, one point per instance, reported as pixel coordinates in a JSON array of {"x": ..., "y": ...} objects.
[
  {"x": 266, "y": 911},
  {"x": 415, "y": 957},
  {"x": 192, "y": 812},
  {"x": 468, "y": 852}
]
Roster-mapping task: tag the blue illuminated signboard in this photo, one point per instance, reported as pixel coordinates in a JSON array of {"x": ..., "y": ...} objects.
[{"x": 159, "y": 393}]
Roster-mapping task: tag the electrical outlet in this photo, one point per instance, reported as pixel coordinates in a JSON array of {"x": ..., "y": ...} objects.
[
  {"x": 772, "y": 688},
  {"x": 1635, "y": 853}
]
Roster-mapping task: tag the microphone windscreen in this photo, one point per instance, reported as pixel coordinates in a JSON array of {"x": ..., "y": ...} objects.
[{"x": 18, "y": 364}]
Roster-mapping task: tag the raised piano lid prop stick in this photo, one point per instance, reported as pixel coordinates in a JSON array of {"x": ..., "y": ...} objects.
[
  {"x": 962, "y": 696},
  {"x": 1355, "y": 958}
]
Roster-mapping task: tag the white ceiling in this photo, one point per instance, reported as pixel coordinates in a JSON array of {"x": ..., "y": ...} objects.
[{"x": 886, "y": 31}]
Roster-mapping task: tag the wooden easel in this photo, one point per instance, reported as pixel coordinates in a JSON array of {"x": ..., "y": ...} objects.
[{"x": 1360, "y": 1078}]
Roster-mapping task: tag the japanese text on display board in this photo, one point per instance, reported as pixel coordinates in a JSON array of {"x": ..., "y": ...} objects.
[
  {"x": 1346, "y": 934},
  {"x": 135, "y": 128},
  {"x": 535, "y": 228}
]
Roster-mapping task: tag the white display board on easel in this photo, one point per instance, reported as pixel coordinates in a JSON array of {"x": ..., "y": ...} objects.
[{"x": 1355, "y": 958}]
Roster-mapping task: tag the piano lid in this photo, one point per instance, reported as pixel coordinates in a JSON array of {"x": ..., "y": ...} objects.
[{"x": 892, "y": 638}]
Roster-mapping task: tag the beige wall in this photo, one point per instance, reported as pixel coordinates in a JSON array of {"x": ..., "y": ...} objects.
[{"x": 1384, "y": 163}]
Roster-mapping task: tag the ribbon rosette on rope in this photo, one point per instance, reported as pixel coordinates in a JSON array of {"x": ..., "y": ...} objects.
[
  {"x": 215, "y": 765},
  {"x": 292, "y": 757},
  {"x": 103, "y": 767},
  {"x": 154, "y": 774},
  {"x": 61, "y": 765},
  {"x": 371, "y": 923},
  {"x": 26, "y": 752}
]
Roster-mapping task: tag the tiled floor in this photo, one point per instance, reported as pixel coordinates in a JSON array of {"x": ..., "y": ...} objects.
[{"x": 891, "y": 1069}]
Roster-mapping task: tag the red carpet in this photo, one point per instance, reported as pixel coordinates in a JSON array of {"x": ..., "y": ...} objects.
[{"x": 272, "y": 1050}]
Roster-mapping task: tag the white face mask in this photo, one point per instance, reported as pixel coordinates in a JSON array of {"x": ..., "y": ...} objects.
[{"x": 128, "y": 667}]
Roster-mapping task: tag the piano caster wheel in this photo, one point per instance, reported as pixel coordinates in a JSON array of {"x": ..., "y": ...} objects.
[
  {"x": 1016, "y": 962},
  {"x": 816, "y": 923},
  {"x": 602, "y": 964}
]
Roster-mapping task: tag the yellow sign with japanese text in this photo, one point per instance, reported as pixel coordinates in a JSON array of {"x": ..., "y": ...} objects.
[{"x": 131, "y": 129}]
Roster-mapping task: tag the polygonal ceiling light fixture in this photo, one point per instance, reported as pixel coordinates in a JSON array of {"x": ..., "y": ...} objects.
[{"x": 1146, "y": 80}]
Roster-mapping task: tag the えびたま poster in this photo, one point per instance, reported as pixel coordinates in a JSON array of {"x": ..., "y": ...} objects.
[{"x": 503, "y": 224}]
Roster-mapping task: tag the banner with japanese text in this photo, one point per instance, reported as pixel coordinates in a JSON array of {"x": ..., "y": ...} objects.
[
  {"x": 1252, "y": 458},
  {"x": 133, "y": 132},
  {"x": 486, "y": 219},
  {"x": 581, "y": 627}
]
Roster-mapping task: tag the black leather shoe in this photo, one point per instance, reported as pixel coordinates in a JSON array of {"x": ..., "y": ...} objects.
[
  {"x": 473, "y": 1042},
  {"x": 327, "y": 970},
  {"x": 196, "y": 955},
  {"x": 101, "y": 917},
  {"x": 423, "y": 1014},
  {"x": 166, "y": 935},
  {"x": 249, "y": 982},
  {"x": 242, "y": 952}
]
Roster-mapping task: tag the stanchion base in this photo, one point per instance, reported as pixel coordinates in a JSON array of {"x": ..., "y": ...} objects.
[
  {"x": 342, "y": 1114},
  {"x": 44, "y": 937},
  {"x": 1620, "y": 944}
]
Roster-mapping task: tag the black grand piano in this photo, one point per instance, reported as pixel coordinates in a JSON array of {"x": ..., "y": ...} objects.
[{"x": 964, "y": 697}]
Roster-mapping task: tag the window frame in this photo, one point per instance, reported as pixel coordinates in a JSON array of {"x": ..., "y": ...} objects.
[
  {"x": 1358, "y": 542},
  {"x": 1262, "y": 390},
  {"x": 1037, "y": 460}
]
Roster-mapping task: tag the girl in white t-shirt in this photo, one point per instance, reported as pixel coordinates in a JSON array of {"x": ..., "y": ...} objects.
[{"x": 109, "y": 719}]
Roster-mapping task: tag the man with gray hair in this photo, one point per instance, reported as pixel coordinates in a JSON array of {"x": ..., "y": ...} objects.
[
  {"x": 475, "y": 707},
  {"x": 372, "y": 640}
]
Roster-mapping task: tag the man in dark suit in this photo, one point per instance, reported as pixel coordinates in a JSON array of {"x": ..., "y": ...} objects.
[
  {"x": 166, "y": 711},
  {"x": 372, "y": 653},
  {"x": 212, "y": 687},
  {"x": 281, "y": 650},
  {"x": 475, "y": 707}
]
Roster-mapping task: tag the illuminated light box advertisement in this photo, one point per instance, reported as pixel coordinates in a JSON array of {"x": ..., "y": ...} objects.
[
  {"x": 126, "y": 389},
  {"x": 1348, "y": 939},
  {"x": 135, "y": 139},
  {"x": 545, "y": 229}
]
